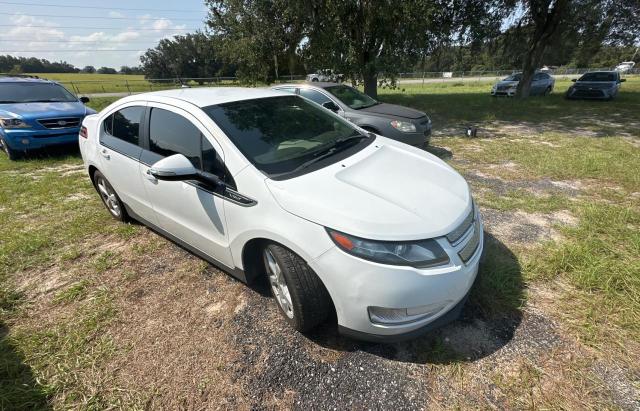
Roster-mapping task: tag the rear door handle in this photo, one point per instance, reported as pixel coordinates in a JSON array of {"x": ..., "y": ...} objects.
[{"x": 104, "y": 153}]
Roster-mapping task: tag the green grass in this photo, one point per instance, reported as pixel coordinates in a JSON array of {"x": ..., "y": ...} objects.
[{"x": 49, "y": 218}]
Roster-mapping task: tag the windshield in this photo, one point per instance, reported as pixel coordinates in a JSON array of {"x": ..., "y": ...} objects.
[
  {"x": 351, "y": 97},
  {"x": 603, "y": 76},
  {"x": 281, "y": 135},
  {"x": 514, "y": 77},
  {"x": 24, "y": 92}
]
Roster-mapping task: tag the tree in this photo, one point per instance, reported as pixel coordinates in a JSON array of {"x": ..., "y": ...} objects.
[
  {"x": 107, "y": 70},
  {"x": 189, "y": 56},
  {"x": 364, "y": 39},
  {"x": 261, "y": 37},
  {"x": 88, "y": 70},
  {"x": 545, "y": 16}
]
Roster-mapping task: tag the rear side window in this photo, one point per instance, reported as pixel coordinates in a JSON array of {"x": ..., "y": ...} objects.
[
  {"x": 541, "y": 76},
  {"x": 170, "y": 133},
  {"x": 125, "y": 124}
]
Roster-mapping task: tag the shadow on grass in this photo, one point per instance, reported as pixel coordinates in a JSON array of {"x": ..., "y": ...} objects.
[
  {"x": 453, "y": 113},
  {"x": 487, "y": 323},
  {"x": 19, "y": 389}
]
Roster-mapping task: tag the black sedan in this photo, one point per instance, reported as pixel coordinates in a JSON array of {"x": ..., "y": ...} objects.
[{"x": 598, "y": 85}]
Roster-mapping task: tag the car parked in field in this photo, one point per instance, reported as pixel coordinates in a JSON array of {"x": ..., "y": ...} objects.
[
  {"x": 263, "y": 183},
  {"x": 390, "y": 120},
  {"x": 625, "y": 66},
  {"x": 324, "y": 76},
  {"x": 598, "y": 85},
  {"x": 541, "y": 85},
  {"x": 37, "y": 113}
]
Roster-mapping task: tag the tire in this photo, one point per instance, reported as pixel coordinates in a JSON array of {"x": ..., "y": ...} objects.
[
  {"x": 109, "y": 198},
  {"x": 11, "y": 153},
  {"x": 308, "y": 303},
  {"x": 547, "y": 91},
  {"x": 314, "y": 80}
]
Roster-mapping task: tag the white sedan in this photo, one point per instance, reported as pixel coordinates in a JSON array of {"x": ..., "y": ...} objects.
[{"x": 265, "y": 184}]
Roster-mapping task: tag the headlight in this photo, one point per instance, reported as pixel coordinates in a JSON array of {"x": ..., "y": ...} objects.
[
  {"x": 404, "y": 126},
  {"x": 13, "y": 123},
  {"x": 418, "y": 253}
]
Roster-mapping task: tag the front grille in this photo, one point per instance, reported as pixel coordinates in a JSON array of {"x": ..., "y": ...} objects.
[
  {"x": 61, "y": 122},
  {"x": 472, "y": 245},
  {"x": 457, "y": 234},
  {"x": 588, "y": 93}
]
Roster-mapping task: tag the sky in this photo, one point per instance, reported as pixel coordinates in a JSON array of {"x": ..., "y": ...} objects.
[{"x": 110, "y": 33}]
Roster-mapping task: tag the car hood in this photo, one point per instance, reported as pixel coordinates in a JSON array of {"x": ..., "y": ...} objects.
[
  {"x": 29, "y": 111},
  {"x": 595, "y": 84},
  {"x": 393, "y": 110},
  {"x": 507, "y": 83},
  {"x": 388, "y": 191}
]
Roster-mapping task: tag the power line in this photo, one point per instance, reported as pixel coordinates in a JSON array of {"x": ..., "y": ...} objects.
[
  {"x": 105, "y": 18},
  {"x": 66, "y": 51},
  {"x": 97, "y": 7},
  {"x": 92, "y": 28},
  {"x": 80, "y": 41}
]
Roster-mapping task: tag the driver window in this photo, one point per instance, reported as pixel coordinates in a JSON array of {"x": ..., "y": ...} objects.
[
  {"x": 314, "y": 96},
  {"x": 170, "y": 133}
]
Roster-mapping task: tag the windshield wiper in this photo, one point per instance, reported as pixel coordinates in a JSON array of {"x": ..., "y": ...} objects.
[{"x": 51, "y": 100}]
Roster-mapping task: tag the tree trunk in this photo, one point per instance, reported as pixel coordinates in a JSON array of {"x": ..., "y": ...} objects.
[
  {"x": 371, "y": 84},
  {"x": 546, "y": 23}
]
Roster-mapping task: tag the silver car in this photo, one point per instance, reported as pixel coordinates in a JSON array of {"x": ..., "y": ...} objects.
[
  {"x": 396, "y": 122},
  {"x": 541, "y": 85}
]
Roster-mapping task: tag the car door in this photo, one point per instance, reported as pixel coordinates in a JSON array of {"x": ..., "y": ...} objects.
[
  {"x": 188, "y": 210},
  {"x": 539, "y": 83},
  {"x": 119, "y": 136},
  {"x": 320, "y": 98}
]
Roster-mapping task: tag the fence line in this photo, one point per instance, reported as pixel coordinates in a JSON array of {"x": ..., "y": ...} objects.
[{"x": 130, "y": 86}]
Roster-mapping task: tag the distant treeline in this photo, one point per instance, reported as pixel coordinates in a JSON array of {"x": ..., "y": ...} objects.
[{"x": 19, "y": 65}]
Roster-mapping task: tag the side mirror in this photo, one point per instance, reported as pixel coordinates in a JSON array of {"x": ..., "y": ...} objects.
[
  {"x": 330, "y": 105},
  {"x": 574, "y": 79},
  {"x": 622, "y": 80},
  {"x": 84, "y": 99},
  {"x": 178, "y": 168}
]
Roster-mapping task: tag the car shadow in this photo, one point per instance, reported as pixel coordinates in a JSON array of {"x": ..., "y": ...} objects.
[
  {"x": 18, "y": 385},
  {"x": 441, "y": 152},
  {"x": 53, "y": 152},
  {"x": 487, "y": 323}
]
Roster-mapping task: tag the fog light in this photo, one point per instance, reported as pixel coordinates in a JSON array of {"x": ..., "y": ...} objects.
[
  {"x": 25, "y": 141},
  {"x": 397, "y": 316}
]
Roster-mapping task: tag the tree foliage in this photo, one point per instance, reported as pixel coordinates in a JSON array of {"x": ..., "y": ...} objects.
[
  {"x": 33, "y": 65},
  {"x": 186, "y": 56}
]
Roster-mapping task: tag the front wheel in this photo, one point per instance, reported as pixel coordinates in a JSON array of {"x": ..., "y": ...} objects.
[
  {"x": 302, "y": 299},
  {"x": 547, "y": 91},
  {"x": 11, "y": 153}
]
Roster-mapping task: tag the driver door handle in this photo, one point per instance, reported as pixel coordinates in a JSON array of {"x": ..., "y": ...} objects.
[
  {"x": 104, "y": 153},
  {"x": 150, "y": 176}
]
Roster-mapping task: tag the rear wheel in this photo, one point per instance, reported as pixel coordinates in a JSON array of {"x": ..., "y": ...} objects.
[
  {"x": 109, "y": 197},
  {"x": 11, "y": 153},
  {"x": 302, "y": 299}
]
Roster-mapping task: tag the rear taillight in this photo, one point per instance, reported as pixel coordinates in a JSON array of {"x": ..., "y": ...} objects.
[{"x": 83, "y": 132}]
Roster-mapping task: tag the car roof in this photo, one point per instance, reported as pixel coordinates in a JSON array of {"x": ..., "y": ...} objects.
[
  {"x": 20, "y": 79},
  {"x": 209, "y": 96},
  {"x": 602, "y": 71},
  {"x": 319, "y": 84}
]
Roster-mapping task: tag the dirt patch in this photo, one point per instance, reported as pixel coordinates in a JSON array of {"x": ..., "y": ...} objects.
[{"x": 526, "y": 229}]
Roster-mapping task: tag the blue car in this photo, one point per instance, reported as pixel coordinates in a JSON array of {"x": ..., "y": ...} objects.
[{"x": 37, "y": 113}]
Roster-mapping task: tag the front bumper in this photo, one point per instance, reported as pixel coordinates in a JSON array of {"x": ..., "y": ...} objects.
[
  {"x": 590, "y": 94},
  {"x": 505, "y": 93},
  {"x": 356, "y": 285},
  {"x": 29, "y": 139}
]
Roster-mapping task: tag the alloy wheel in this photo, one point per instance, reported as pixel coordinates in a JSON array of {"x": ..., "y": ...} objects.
[
  {"x": 278, "y": 283},
  {"x": 108, "y": 196}
]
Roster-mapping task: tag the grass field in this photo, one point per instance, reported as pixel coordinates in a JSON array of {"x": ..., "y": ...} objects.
[
  {"x": 81, "y": 83},
  {"x": 95, "y": 314}
]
